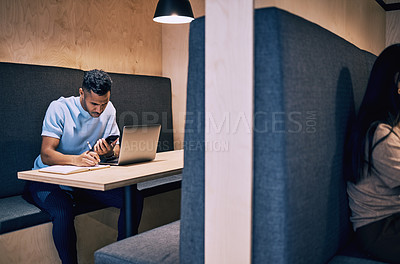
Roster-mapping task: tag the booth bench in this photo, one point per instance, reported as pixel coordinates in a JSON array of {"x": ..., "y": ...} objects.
[
  {"x": 26, "y": 92},
  {"x": 313, "y": 81}
]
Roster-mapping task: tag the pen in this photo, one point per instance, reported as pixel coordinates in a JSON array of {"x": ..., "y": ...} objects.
[{"x": 90, "y": 147}]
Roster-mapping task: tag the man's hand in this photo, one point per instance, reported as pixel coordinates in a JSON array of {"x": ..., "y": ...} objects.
[
  {"x": 103, "y": 148},
  {"x": 50, "y": 155},
  {"x": 87, "y": 159}
]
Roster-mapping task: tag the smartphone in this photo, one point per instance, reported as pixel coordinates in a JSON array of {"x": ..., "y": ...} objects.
[{"x": 111, "y": 138}]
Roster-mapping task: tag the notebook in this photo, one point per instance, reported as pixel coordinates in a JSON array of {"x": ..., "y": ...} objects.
[
  {"x": 139, "y": 143},
  {"x": 69, "y": 169}
]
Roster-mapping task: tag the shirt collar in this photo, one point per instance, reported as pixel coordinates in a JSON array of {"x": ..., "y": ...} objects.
[{"x": 83, "y": 112}]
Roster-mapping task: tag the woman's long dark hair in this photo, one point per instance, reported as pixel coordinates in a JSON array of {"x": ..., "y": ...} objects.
[{"x": 381, "y": 104}]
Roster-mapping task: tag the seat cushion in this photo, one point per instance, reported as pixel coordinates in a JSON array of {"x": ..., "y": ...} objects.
[
  {"x": 159, "y": 245},
  {"x": 16, "y": 213}
]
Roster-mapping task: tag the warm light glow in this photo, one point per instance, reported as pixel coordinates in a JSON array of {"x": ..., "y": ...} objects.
[{"x": 173, "y": 19}]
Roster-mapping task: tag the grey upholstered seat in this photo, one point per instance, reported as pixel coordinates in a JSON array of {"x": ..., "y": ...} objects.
[
  {"x": 138, "y": 100},
  {"x": 160, "y": 245}
]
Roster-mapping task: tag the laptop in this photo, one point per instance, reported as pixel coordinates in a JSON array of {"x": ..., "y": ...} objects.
[{"x": 139, "y": 143}]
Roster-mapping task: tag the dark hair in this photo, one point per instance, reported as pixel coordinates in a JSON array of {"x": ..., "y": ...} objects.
[
  {"x": 381, "y": 104},
  {"x": 97, "y": 81}
]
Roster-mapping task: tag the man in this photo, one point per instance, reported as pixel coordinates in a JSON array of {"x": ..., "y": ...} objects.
[{"x": 69, "y": 127}]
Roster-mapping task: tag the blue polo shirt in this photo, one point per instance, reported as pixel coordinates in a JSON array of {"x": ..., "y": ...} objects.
[{"x": 66, "y": 120}]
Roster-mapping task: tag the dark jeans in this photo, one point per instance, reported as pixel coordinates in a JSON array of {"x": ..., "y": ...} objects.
[
  {"x": 381, "y": 239},
  {"x": 61, "y": 205}
]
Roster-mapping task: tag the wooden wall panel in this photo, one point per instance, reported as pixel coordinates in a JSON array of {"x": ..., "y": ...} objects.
[
  {"x": 35, "y": 244},
  {"x": 175, "y": 44},
  {"x": 29, "y": 245},
  {"x": 114, "y": 35},
  {"x": 175, "y": 64},
  {"x": 361, "y": 22},
  {"x": 392, "y": 27}
]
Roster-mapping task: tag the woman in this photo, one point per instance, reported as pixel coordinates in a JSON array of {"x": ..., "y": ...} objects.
[{"x": 373, "y": 170}]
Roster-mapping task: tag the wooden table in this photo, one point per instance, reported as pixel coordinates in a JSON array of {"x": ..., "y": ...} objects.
[{"x": 165, "y": 164}]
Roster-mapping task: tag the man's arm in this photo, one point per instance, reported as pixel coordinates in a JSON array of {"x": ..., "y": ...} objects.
[{"x": 50, "y": 155}]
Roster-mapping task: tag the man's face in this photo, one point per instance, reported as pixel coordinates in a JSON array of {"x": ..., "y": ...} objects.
[{"x": 93, "y": 103}]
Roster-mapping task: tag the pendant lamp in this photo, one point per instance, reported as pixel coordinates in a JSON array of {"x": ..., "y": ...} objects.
[{"x": 173, "y": 12}]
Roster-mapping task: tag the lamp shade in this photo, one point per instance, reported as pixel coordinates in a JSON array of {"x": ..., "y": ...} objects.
[{"x": 173, "y": 12}]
